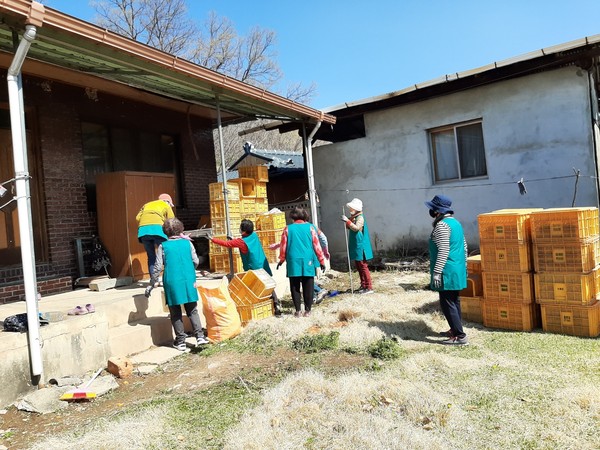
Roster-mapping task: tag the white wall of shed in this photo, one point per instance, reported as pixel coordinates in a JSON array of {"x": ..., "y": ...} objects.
[{"x": 535, "y": 127}]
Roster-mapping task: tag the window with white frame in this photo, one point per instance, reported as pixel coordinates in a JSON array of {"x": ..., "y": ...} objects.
[{"x": 458, "y": 151}]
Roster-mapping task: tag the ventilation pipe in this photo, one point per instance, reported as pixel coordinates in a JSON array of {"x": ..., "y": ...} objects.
[
  {"x": 312, "y": 192},
  {"x": 23, "y": 197}
]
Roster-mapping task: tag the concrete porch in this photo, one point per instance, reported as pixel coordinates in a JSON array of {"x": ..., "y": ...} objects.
[{"x": 125, "y": 323}]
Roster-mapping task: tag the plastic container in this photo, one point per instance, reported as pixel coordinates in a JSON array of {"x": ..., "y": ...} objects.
[
  {"x": 472, "y": 309},
  {"x": 565, "y": 223},
  {"x": 259, "y": 173},
  {"x": 215, "y": 191},
  {"x": 259, "y": 282},
  {"x": 574, "y": 320},
  {"x": 506, "y": 225},
  {"x": 249, "y": 305},
  {"x": 577, "y": 289},
  {"x": 275, "y": 221},
  {"x": 506, "y": 256},
  {"x": 566, "y": 256},
  {"x": 511, "y": 316},
  {"x": 514, "y": 287}
]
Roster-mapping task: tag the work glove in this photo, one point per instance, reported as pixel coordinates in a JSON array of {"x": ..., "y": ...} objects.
[
  {"x": 209, "y": 236},
  {"x": 274, "y": 246},
  {"x": 323, "y": 268},
  {"x": 344, "y": 218},
  {"x": 279, "y": 264},
  {"x": 437, "y": 281}
]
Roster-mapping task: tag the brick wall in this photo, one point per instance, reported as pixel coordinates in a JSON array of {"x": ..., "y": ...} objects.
[{"x": 57, "y": 112}]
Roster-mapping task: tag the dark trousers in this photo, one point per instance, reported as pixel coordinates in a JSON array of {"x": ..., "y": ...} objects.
[
  {"x": 191, "y": 310},
  {"x": 363, "y": 272},
  {"x": 308, "y": 286},
  {"x": 150, "y": 243},
  {"x": 450, "y": 303}
]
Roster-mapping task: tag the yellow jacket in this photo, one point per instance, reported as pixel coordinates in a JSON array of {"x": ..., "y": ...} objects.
[{"x": 154, "y": 213}]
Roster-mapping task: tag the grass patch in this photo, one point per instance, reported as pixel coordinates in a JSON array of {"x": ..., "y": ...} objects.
[
  {"x": 317, "y": 342},
  {"x": 385, "y": 349}
]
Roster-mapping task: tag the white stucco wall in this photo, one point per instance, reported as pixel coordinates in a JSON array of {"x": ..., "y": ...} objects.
[{"x": 536, "y": 127}]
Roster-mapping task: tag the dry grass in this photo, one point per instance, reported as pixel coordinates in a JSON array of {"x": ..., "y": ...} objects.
[{"x": 507, "y": 390}]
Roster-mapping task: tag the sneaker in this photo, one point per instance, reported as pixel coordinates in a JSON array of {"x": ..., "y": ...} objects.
[
  {"x": 298, "y": 314},
  {"x": 366, "y": 291},
  {"x": 201, "y": 340},
  {"x": 320, "y": 296},
  {"x": 446, "y": 333},
  {"x": 456, "y": 341},
  {"x": 148, "y": 291},
  {"x": 278, "y": 312},
  {"x": 306, "y": 314},
  {"x": 180, "y": 346}
]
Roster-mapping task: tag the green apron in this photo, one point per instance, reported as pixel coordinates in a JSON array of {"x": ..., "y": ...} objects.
[
  {"x": 359, "y": 244},
  {"x": 454, "y": 274},
  {"x": 300, "y": 257},
  {"x": 255, "y": 258},
  {"x": 179, "y": 273}
]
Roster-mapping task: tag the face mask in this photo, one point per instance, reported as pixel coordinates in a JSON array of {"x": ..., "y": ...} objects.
[{"x": 432, "y": 213}]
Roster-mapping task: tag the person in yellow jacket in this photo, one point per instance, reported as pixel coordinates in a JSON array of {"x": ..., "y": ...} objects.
[{"x": 150, "y": 220}]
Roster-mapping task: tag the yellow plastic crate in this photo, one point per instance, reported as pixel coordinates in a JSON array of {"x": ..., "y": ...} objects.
[
  {"x": 259, "y": 282},
  {"x": 220, "y": 263},
  {"x": 506, "y": 225},
  {"x": 217, "y": 209},
  {"x": 219, "y": 226},
  {"x": 505, "y": 256},
  {"x": 268, "y": 237},
  {"x": 574, "y": 320},
  {"x": 565, "y": 223},
  {"x": 474, "y": 286},
  {"x": 248, "y": 206},
  {"x": 247, "y": 187},
  {"x": 261, "y": 205},
  {"x": 272, "y": 255},
  {"x": 578, "y": 289},
  {"x": 472, "y": 309},
  {"x": 215, "y": 191},
  {"x": 214, "y": 249},
  {"x": 514, "y": 287},
  {"x": 249, "y": 306},
  {"x": 259, "y": 173},
  {"x": 566, "y": 256},
  {"x": 474, "y": 264},
  {"x": 261, "y": 190},
  {"x": 511, "y": 316},
  {"x": 275, "y": 221}
]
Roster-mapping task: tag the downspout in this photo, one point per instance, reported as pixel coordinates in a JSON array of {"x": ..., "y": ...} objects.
[
  {"x": 312, "y": 192},
  {"x": 23, "y": 196},
  {"x": 224, "y": 176},
  {"x": 594, "y": 114}
]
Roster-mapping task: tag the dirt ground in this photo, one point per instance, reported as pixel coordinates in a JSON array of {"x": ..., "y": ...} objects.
[{"x": 192, "y": 371}]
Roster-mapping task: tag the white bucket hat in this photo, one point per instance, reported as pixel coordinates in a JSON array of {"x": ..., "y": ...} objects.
[{"x": 355, "y": 204}]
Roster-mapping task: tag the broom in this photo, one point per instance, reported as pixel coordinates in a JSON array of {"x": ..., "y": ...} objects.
[{"x": 82, "y": 393}]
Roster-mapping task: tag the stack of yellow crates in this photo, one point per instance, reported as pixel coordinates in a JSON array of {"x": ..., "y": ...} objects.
[
  {"x": 507, "y": 270},
  {"x": 566, "y": 248},
  {"x": 251, "y": 291},
  {"x": 247, "y": 199},
  {"x": 471, "y": 296}
]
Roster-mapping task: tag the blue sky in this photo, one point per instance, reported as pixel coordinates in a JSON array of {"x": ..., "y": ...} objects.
[{"x": 356, "y": 49}]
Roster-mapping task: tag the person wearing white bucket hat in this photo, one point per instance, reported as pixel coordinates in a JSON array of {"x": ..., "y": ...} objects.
[
  {"x": 359, "y": 244},
  {"x": 448, "y": 265}
]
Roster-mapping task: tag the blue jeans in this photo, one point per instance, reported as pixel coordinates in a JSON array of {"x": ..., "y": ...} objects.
[{"x": 150, "y": 243}]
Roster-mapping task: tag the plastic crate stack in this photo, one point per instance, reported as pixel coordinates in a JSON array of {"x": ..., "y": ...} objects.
[
  {"x": 566, "y": 249},
  {"x": 471, "y": 297},
  {"x": 507, "y": 270},
  {"x": 219, "y": 256},
  {"x": 251, "y": 291}
]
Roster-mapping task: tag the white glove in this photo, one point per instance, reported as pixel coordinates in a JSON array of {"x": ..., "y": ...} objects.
[
  {"x": 209, "y": 236},
  {"x": 437, "y": 280},
  {"x": 344, "y": 218}
]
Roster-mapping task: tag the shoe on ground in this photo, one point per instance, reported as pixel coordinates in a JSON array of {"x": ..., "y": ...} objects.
[
  {"x": 366, "y": 291},
  {"x": 148, "y": 291},
  {"x": 456, "y": 341},
  {"x": 320, "y": 296},
  {"x": 277, "y": 312},
  {"x": 446, "y": 333},
  {"x": 180, "y": 346},
  {"x": 201, "y": 340},
  {"x": 298, "y": 314},
  {"x": 306, "y": 314}
]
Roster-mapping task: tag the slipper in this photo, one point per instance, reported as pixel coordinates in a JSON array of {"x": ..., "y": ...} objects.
[
  {"x": 90, "y": 308},
  {"x": 77, "y": 311}
]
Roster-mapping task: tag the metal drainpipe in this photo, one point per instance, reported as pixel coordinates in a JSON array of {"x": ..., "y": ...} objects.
[
  {"x": 17, "y": 120},
  {"x": 224, "y": 176},
  {"x": 312, "y": 193}
]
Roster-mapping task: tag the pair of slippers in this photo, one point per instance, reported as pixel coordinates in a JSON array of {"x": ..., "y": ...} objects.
[{"x": 80, "y": 310}]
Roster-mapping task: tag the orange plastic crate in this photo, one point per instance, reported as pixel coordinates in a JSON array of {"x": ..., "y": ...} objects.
[
  {"x": 574, "y": 320},
  {"x": 220, "y": 263},
  {"x": 261, "y": 190},
  {"x": 506, "y": 225},
  {"x": 472, "y": 309},
  {"x": 249, "y": 306},
  {"x": 505, "y": 256},
  {"x": 514, "y": 287},
  {"x": 217, "y": 209},
  {"x": 259, "y": 173},
  {"x": 247, "y": 186},
  {"x": 275, "y": 221},
  {"x": 565, "y": 223},
  {"x": 214, "y": 249},
  {"x": 578, "y": 289},
  {"x": 474, "y": 286},
  {"x": 259, "y": 282},
  {"x": 511, "y": 316},
  {"x": 268, "y": 237},
  {"x": 215, "y": 191},
  {"x": 272, "y": 255},
  {"x": 474, "y": 264},
  {"x": 566, "y": 256}
]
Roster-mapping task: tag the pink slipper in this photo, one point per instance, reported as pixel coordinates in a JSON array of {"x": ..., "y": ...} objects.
[
  {"x": 77, "y": 311},
  {"x": 90, "y": 308}
]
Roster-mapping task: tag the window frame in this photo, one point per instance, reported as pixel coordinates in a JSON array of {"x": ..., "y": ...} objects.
[{"x": 434, "y": 160}]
